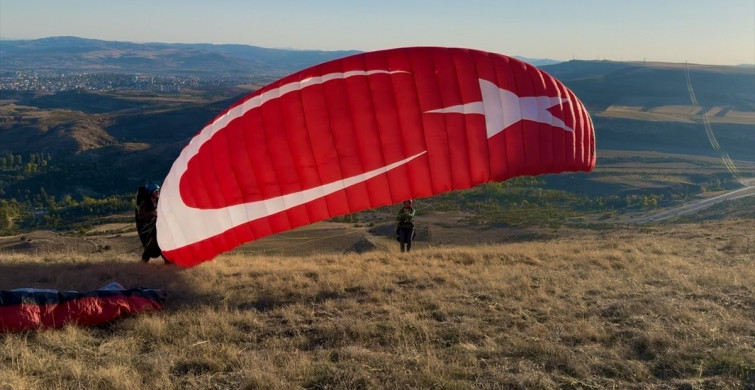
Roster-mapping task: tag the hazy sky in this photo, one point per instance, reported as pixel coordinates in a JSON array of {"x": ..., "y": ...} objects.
[{"x": 697, "y": 31}]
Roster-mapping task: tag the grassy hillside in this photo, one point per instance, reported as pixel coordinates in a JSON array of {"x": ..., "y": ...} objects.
[{"x": 658, "y": 307}]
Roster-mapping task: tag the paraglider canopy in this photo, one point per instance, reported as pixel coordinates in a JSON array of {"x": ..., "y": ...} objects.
[{"x": 362, "y": 132}]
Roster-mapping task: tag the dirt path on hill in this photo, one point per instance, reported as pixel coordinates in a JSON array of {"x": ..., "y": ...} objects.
[{"x": 695, "y": 206}]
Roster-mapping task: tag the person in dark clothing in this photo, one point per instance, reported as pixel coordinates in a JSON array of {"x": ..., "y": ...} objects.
[
  {"x": 145, "y": 214},
  {"x": 405, "y": 228}
]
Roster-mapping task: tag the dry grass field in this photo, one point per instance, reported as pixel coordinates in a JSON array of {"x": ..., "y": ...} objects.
[{"x": 658, "y": 307}]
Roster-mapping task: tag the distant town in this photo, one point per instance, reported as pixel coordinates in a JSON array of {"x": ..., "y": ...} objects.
[{"x": 50, "y": 81}]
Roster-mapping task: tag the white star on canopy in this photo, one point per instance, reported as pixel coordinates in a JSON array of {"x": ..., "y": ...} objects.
[{"x": 502, "y": 108}]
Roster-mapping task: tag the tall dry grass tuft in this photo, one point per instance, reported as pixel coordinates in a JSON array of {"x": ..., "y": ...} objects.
[{"x": 660, "y": 307}]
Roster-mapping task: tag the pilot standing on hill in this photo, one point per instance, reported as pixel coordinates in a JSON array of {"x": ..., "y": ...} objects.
[
  {"x": 146, "y": 219},
  {"x": 405, "y": 228}
]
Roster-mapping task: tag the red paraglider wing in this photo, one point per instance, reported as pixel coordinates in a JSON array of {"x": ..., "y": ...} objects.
[{"x": 362, "y": 132}]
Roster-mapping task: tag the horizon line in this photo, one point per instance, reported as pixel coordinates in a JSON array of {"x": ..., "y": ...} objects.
[{"x": 574, "y": 57}]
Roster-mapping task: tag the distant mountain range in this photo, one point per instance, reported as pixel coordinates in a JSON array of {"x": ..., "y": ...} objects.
[{"x": 80, "y": 54}]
